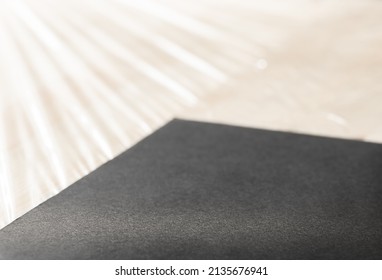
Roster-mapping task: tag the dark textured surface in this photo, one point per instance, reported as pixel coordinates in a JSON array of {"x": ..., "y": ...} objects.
[{"x": 205, "y": 191}]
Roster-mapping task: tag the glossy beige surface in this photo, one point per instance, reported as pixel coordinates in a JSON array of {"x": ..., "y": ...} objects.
[
  {"x": 323, "y": 79},
  {"x": 81, "y": 81}
]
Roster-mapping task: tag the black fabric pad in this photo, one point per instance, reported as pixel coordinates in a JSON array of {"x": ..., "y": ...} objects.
[{"x": 205, "y": 191}]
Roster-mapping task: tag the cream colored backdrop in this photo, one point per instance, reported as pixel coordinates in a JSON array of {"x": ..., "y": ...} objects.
[{"x": 81, "y": 81}]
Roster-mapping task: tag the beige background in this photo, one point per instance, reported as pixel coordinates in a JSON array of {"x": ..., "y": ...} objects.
[{"x": 81, "y": 81}]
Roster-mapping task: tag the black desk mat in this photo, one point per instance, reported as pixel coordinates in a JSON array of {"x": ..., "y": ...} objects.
[{"x": 206, "y": 191}]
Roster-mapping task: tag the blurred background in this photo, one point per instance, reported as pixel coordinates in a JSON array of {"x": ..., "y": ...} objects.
[{"x": 83, "y": 80}]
